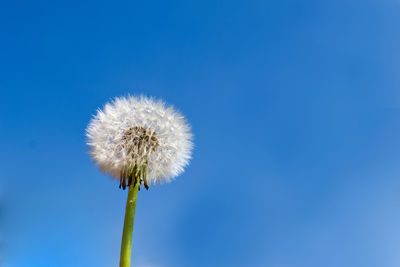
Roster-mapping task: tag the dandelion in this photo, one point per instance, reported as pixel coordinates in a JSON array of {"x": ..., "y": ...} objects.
[{"x": 140, "y": 142}]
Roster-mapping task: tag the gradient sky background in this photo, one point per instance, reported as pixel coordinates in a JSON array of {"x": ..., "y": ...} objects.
[{"x": 295, "y": 107}]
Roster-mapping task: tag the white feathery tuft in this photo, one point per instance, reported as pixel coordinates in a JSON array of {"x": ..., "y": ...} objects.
[{"x": 140, "y": 131}]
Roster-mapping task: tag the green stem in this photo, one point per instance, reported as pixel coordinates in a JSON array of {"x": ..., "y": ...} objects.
[{"x": 126, "y": 246}]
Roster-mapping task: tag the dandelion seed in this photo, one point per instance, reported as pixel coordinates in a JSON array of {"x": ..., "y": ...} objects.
[{"x": 135, "y": 132}]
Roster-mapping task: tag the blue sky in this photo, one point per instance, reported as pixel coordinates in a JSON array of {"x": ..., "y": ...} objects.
[{"x": 295, "y": 108}]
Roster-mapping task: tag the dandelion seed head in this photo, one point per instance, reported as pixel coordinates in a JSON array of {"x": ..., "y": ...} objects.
[{"x": 134, "y": 132}]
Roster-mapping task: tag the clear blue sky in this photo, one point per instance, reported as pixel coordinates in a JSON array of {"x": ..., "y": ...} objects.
[{"x": 295, "y": 108}]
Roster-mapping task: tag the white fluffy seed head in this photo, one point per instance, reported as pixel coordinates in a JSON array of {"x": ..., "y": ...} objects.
[{"x": 140, "y": 131}]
